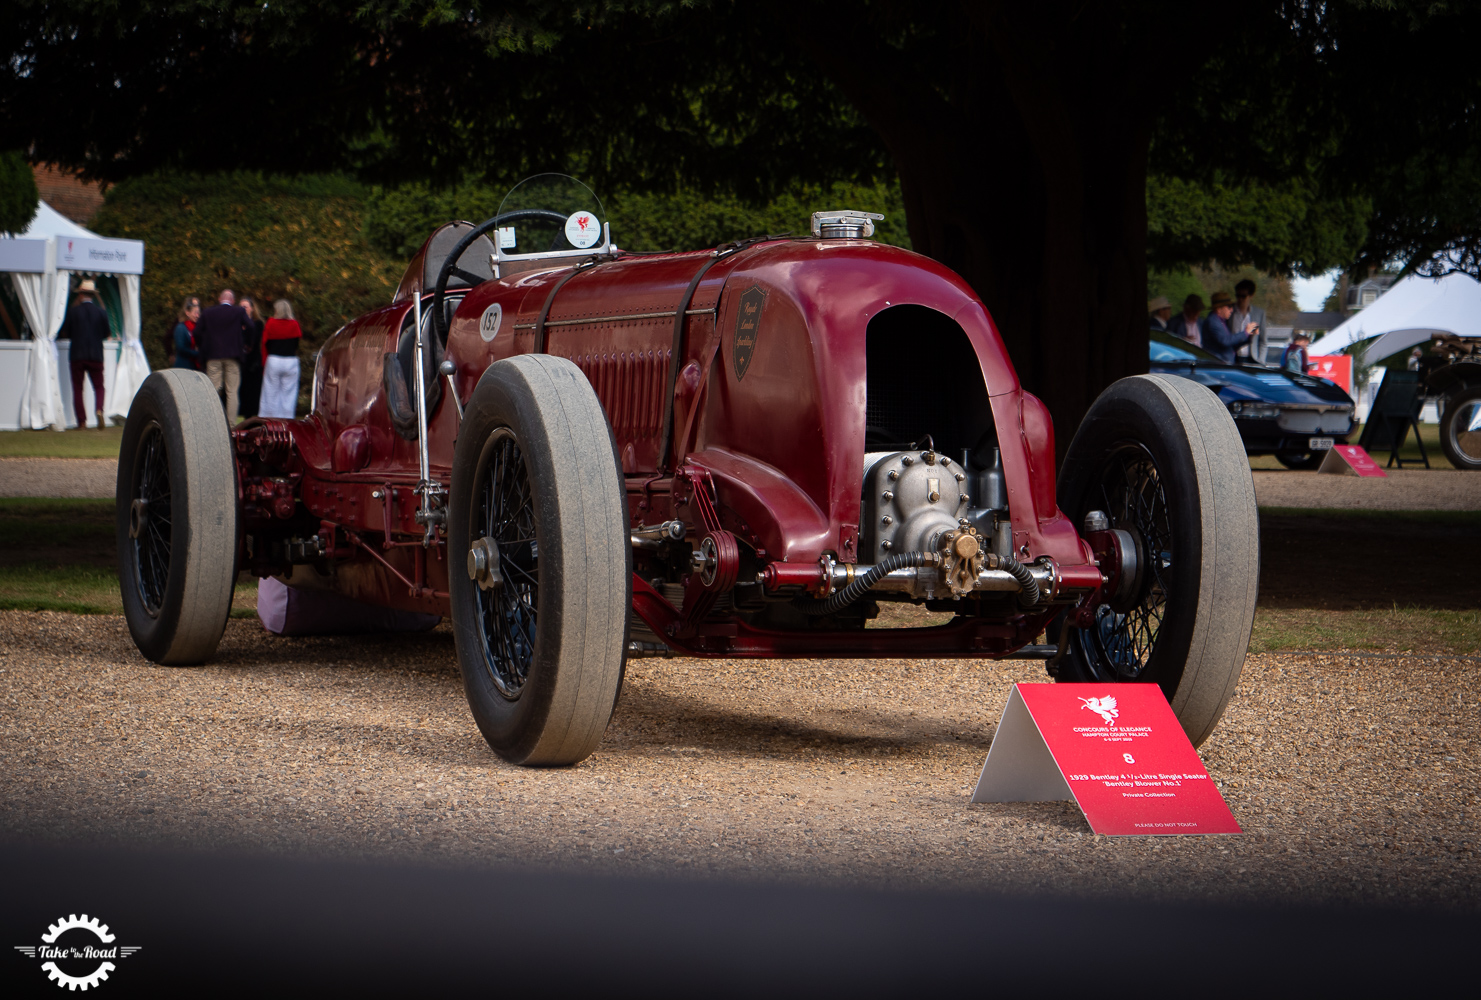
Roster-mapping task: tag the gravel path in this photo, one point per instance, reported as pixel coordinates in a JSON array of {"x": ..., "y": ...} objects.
[
  {"x": 1403, "y": 489},
  {"x": 58, "y": 477},
  {"x": 1356, "y": 779}
]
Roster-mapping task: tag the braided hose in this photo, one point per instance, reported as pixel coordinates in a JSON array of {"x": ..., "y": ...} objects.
[
  {"x": 1030, "y": 595},
  {"x": 863, "y": 583}
]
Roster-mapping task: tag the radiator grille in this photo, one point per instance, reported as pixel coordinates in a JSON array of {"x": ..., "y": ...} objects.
[{"x": 631, "y": 387}]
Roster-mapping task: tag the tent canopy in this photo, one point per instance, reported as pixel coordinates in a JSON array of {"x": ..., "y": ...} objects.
[
  {"x": 1406, "y": 315},
  {"x": 50, "y": 222},
  {"x": 40, "y": 262}
]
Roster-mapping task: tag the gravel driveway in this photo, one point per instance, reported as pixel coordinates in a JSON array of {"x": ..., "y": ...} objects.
[{"x": 1355, "y": 778}]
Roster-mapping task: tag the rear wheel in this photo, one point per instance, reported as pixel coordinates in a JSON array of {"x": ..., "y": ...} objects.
[
  {"x": 1460, "y": 429},
  {"x": 177, "y": 518},
  {"x": 1162, "y": 457},
  {"x": 538, "y": 514}
]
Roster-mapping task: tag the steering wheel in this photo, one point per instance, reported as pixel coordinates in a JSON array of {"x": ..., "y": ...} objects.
[{"x": 449, "y": 266}]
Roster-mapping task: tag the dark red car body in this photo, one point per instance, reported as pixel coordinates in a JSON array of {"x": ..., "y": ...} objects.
[{"x": 768, "y": 430}]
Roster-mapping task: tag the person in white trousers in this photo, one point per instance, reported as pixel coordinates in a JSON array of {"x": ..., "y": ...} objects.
[{"x": 280, "y": 339}]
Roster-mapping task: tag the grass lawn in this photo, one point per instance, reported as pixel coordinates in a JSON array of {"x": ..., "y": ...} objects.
[
  {"x": 1430, "y": 433},
  {"x": 61, "y": 555},
  {"x": 89, "y": 443},
  {"x": 1396, "y": 630}
]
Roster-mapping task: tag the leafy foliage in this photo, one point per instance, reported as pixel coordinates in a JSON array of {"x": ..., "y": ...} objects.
[
  {"x": 1284, "y": 228},
  {"x": 17, "y": 193},
  {"x": 397, "y": 220},
  {"x": 1272, "y": 291},
  {"x": 298, "y": 238}
]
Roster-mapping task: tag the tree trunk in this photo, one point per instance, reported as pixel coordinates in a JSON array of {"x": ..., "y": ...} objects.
[{"x": 1026, "y": 174}]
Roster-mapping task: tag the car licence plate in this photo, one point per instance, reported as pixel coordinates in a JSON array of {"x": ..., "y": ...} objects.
[{"x": 1320, "y": 444}]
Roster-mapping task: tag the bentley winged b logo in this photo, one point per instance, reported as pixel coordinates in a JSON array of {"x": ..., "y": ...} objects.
[{"x": 1103, "y": 707}]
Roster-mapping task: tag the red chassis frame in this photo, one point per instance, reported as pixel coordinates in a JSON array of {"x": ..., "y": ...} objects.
[{"x": 763, "y": 449}]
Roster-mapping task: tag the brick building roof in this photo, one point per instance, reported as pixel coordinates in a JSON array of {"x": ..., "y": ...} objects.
[{"x": 78, "y": 200}]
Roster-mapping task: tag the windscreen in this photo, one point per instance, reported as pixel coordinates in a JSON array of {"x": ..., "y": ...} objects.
[
  {"x": 554, "y": 213},
  {"x": 1162, "y": 349}
]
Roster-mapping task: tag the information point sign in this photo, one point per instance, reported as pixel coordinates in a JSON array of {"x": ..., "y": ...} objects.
[
  {"x": 1116, "y": 750},
  {"x": 1350, "y": 460}
]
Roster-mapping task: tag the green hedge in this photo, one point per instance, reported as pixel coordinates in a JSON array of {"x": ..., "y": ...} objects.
[
  {"x": 336, "y": 248},
  {"x": 397, "y": 220},
  {"x": 298, "y": 238}
]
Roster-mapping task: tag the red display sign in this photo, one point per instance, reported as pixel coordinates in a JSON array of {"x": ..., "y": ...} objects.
[
  {"x": 1349, "y": 459},
  {"x": 1115, "y": 749},
  {"x": 1332, "y": 367}
]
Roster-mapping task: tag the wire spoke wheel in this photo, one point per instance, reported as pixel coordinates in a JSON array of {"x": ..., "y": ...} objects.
[
  {"x": 177, "y": 518},
  {"x": 508, "y": 614},
  {"x": 1460, "y": 428},
  {"x": 1161, "y": 457},
  {"x": 1131, "y": 492},
  {"x": 542, "y": 642},
  {"x": 150, "y": 520}
]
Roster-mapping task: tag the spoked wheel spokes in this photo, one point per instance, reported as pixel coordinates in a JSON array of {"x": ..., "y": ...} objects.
[
  {"x": 1130, "y": 489},
  {"x": 150, "y": 519},
  {"x": 506, "y": 515}
]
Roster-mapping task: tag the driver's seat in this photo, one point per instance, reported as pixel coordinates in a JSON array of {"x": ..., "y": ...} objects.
[{"x": 475, "y": 260}]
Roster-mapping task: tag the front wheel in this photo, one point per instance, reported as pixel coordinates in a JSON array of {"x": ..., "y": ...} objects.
[
  {"x": 1460, "y": 428},
  {"x": 541, "y": 574},
  {"x": 1162, "y": 457},
  {"x": 177, "y": 518}
]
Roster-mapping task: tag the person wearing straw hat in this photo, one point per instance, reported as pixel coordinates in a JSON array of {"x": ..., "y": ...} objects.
[
  {"x": 1159, "y": 313},
  {"x": 86, "y": 327}
]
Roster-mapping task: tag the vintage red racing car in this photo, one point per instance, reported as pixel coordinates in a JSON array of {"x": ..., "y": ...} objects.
[{"x": 580, "y": 454}]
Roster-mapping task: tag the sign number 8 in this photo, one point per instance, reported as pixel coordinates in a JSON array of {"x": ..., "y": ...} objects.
[{"x": 1128, "y": 758}]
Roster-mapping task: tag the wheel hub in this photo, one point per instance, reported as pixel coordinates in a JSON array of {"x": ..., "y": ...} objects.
[
  {"x": 483, "y": 564},
  {"x": 138, "y": 517}
]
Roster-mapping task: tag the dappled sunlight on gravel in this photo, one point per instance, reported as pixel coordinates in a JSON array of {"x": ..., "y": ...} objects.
[{"x": 1355, "y": 779}]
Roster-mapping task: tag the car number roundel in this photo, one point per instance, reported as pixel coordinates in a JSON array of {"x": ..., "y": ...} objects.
[
  {"x": 488, "y": 324},
  {"x": 747, "y": 326}
]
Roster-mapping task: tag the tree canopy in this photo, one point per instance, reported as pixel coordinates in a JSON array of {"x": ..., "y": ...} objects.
[
  {"x": 1048, "y": 152},
  {"x": 17, "y": 193}
]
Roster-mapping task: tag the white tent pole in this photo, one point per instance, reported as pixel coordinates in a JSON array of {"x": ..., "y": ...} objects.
[
  {"x": 133, "y": 365},
  {"x": 61, "y": 284}
]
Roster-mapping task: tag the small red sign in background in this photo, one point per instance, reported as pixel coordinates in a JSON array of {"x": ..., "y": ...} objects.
[
  {"x": 1350, "y": 459},
  {"x": 1332, "y": 367},
  {"x": 1117, "y": 750}
]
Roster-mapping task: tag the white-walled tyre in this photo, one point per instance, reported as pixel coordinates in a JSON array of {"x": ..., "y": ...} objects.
[
  {"x": 538, "y": 496},
  {"x": 177, "y": 518},
  {"x": 1163, "y": 458}
]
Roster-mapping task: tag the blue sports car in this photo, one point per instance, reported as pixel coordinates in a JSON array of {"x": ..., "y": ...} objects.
[{"x": 1296, "y": 418}]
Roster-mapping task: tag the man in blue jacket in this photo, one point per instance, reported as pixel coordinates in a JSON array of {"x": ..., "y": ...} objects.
[
  {"x": 86, "y": 327},
  {"x": 220, "y": 336},
  {"x": 1218, "y": 339}
]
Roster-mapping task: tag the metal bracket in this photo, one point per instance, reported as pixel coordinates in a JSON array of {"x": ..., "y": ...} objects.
[{"x": 718, "y": 550}]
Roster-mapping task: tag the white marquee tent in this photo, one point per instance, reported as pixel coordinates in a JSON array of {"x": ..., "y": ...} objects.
[
  {"x": 1406, "y": 315},
  {"x": 40, "y": 263}
]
